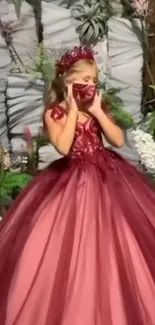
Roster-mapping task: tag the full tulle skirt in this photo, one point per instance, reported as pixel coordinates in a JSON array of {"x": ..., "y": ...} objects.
[{"x": 78, "y": 247}]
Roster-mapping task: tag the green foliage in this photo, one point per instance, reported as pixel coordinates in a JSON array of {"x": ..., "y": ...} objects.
[
  {"x": 122, "y": 117},
  {"x": 149, "y": 121},
  {"x": 41, "y": 66},
  {"x": 41, "y": 140},
  {"x": 44, "y": 64},
  {"x": 12, "y": 180},
  {"x": 11, "y": 184},
  {"x": 92, "y": 17}
]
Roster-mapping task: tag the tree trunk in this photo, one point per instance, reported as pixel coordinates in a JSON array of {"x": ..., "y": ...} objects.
[{"x": 149, "y": 66}]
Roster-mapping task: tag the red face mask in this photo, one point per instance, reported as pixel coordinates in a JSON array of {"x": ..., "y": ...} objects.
[{"x": 84, "y": 93}]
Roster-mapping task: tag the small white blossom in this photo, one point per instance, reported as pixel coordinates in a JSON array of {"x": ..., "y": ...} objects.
[
  {"x": 145, "y": 147},
  {"x": 5, "y": 158},
  {"x": 141, "y": 6},
  {"x": 7, "y": 161},
  {"x": 19, "y": 163},
  {"x": 13, "y": 164}
]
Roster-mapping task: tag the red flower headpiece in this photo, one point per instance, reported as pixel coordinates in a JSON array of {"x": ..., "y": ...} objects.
[{"x": 71, "y": 57}]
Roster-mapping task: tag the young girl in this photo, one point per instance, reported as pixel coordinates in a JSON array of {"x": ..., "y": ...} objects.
[{"x": 78, "y": 245}]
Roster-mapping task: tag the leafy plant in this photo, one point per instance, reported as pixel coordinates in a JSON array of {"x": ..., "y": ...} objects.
[
  {"x": 91, "y": 17},
  {"x": 12, "y": 184},
  {"x": 44, "y": 64},
  {"x": 13, "y": 180},
  {"x": 41, "y": 66},
  {"x": 122, "y": 117},
  {"x": 148, "y": 123}
]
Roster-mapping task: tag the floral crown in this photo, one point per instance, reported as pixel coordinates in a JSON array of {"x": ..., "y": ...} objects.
[{"x": 71, "y": 57}]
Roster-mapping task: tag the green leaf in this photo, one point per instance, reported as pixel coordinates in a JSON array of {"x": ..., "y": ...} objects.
[
  {"x": 12, "y": 180},
  {"x": 115, "y": 104},
  {"x": 94, "y": 12},
  {"x": 151, "y": 124},
  {"x": 90, "y": 34},
  {"x": 96, "y": 8},
  {"x": 114, "y": 91},
  {"x": 17, "y": 4},
  {"x": 84, "y": 27},
  {"x": 79, "y": 8},
  {"x": 42, "y": 65},
  {"x": 102, "y": 29},
  {"x": 96, "y": 29},
  {"x": 87, "y": 10},
  {"x": 152, "y": 86}
]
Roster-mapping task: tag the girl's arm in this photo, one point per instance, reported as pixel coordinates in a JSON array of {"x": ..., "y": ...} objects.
[
  {"x": 61, "y": 132},
  {"x": 112, "y": 132}
]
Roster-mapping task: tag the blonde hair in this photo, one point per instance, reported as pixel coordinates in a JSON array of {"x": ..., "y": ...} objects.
[{"x": 54, "y": 92}]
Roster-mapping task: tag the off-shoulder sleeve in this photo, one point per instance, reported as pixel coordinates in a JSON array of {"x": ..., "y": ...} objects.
[{"x": 57, "y": 112}]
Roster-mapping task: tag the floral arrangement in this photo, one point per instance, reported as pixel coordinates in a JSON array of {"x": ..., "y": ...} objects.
[
  {"x": 145, "y": 146},
  {"x": 144, "y": 142}
]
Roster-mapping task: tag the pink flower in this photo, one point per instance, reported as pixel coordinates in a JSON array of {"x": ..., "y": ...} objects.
[{"x": 28, "y": 135}]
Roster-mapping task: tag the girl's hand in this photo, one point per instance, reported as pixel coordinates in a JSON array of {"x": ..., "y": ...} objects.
[
  {"x": 96, "y": 105},
  {"x": 70, "y": 101}
]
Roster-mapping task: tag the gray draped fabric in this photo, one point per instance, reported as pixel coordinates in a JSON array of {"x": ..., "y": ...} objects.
[
  {"x": 121, "y": 66},
  {"x": 4, "y": 69}
]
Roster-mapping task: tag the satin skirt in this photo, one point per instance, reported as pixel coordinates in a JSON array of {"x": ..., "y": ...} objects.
[{"x": 78, "y": 246}]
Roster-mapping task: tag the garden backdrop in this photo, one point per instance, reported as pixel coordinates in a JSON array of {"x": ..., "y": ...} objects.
[{"x": 33, "y": 34}]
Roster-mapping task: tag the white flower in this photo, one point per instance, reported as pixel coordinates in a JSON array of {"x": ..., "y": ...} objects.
[
  {"x": 19, "y": 163},
  {"x": 145, "y": 147},
  {"x": 5, "y": 158},
  {"x": 141, "y": 6}
]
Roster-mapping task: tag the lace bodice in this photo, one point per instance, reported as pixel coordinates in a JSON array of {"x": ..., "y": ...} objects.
[{"x": 88, "y": 137}]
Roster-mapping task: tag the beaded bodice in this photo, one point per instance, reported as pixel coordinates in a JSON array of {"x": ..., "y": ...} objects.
[{"x": 88, "y": 137}]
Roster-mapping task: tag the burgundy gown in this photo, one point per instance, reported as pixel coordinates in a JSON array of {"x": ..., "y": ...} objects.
[{"x": 78, "y": 245}]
